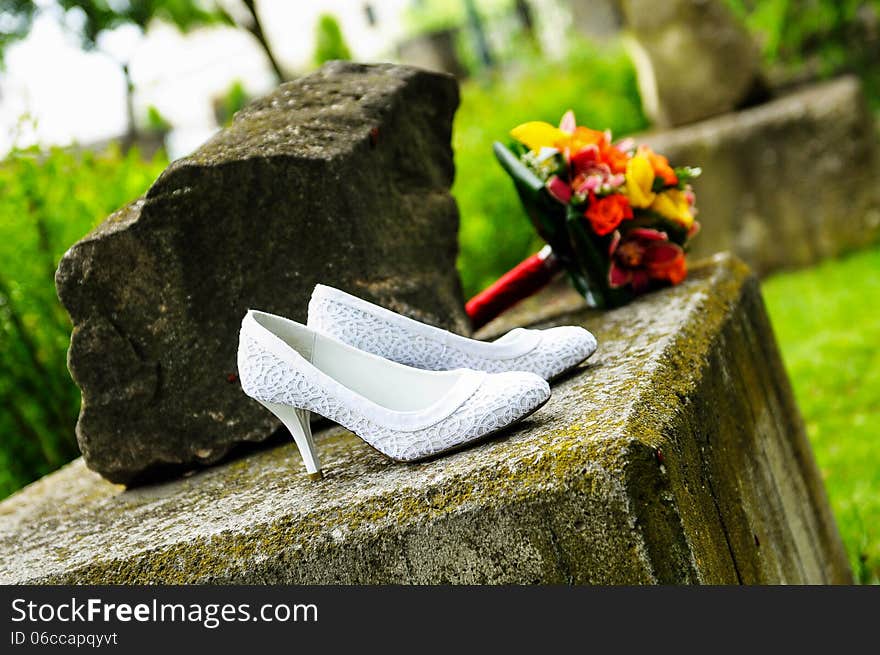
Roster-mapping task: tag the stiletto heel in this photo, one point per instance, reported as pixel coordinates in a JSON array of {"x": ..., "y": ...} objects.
[{"x": 300, "y": 427}]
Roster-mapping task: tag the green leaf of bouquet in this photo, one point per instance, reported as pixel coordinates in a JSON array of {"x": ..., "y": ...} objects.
[
  {"x": 517, "y": 148},
  {"x": 591, "y": 254},
  {"x": 546, "y": 214},
  {"x": 686, "y": 173},
  {"x": 523, "y": 176}
]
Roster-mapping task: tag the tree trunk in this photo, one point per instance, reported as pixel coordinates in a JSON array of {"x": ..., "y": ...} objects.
[
  {"x": 476, "y": 25},
  {"x": 130, "y": 137},
  {"x": 527, "y": 20}
]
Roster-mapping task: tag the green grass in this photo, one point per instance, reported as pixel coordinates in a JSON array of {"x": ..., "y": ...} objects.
[{"x": 827, "y": 322}]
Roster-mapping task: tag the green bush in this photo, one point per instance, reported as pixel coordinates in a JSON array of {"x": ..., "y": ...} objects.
[
  {"x": 828, "y": 36},
  {"x": 794, "y": 30},
  {"x": 47, "y": 202},
  {"x": 600, "y": 86},
  {"x": 329, "y": 42}
]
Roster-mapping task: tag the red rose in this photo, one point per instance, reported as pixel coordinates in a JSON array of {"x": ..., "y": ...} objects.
[{"x": 605, "y": 214}]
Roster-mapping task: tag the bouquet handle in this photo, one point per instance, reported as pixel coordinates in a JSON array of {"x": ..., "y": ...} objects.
[{"x": 524, "y": 280}]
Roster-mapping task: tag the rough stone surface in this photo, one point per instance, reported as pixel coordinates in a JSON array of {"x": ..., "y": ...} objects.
[
  {"x": 786, "y": 183},
  {"x": 693, "y": 58},
  {"x": 676, "y": 455},
  {"x": 341, "y": 177}
]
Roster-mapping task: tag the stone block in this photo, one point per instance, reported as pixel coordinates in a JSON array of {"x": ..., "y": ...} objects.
[
  {"x": 340, "y": 177},
  {"x": 693, "y": 58},
  {"x": 676, "y": 455},
  {"x": 786, "y": 183}
]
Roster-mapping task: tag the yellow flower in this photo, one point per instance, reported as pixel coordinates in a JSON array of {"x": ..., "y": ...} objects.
[
  {"x": 673, "y": 205},
  {"x": 639, "y": 180},
  {"x": 538, "y": 134}
]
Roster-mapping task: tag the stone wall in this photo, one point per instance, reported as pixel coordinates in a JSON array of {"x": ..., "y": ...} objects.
[
  {"x": 693, "y": 59},
  {"x": 786, "y": 183},
  {"x": 675, "y": 455}
]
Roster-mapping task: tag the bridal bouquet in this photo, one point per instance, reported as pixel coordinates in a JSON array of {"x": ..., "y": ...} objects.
[{"x": 616, "y": 216}]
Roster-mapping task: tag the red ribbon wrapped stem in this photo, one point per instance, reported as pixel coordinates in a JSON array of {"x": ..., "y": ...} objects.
[{"x": 524, "y": 280}]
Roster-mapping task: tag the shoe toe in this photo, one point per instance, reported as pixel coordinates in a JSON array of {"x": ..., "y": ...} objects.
[
  {"x": 523, "y": 392},
  {"x": 583, "y": 342},
  {"x": 569, "y": 345}
]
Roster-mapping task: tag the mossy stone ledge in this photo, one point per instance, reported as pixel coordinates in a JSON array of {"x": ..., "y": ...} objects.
[{"x": 675, "y": 455}]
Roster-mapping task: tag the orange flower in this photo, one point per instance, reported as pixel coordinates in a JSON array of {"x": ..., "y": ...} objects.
[
  {"x": 614, "y": 157},
  {"x": 674, "y": 270},
  {"x": 605, "y": 214},
  {"x": 575, "y": 142},
  {"x": 661, "y": 166}
]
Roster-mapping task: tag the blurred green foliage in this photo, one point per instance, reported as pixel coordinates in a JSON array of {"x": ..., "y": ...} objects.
[
  {"x": 822, "y": 36},
  {"x": 507, "y": 38},
  {"x": 97, "y": 16},
  {"x": 422, "y": 16},
  {"x": 92, "y": 17},
  {"x": 329, "y": 42},
  {"x": 87, "y": 19},
  {"x": 156, "y": 121},
  {"x": 230, "y": 103},
  {"x": 828, "y": 329},
  {"x": 47, "y": 202},
  {"x": 598, "y": 84},
  {"x": 18, "y": 16}
]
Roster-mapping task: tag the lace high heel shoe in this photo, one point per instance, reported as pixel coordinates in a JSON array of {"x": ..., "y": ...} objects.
[
  {"x": 405, "y": 413},
  {"x": 366, "y": 326}
]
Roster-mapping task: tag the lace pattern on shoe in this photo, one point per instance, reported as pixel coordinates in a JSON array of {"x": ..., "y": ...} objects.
[{"x": 558, "y": 349}]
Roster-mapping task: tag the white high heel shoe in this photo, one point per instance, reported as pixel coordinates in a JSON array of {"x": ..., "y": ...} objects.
[
  {"x": 366, "y": 326},
  {"x": 405, "y": 413}
]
